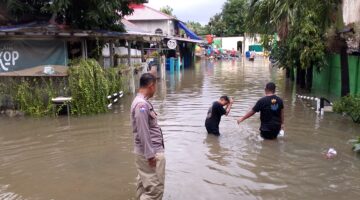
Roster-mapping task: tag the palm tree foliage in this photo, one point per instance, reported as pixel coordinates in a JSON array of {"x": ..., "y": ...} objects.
[{"x": 301, "y": 26}]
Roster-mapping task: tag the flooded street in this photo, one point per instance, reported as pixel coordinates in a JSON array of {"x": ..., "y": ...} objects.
[{"x": 91, "y": 158}]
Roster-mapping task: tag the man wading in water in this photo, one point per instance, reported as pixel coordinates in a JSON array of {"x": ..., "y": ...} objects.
[
  {"x": 271, "y": 110},
  {"x": 149, "y": 142},
  {"x": 215, "y": 112}
]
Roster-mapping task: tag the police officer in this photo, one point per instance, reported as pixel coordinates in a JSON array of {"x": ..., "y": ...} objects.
[{"x": 149, "y": 142}]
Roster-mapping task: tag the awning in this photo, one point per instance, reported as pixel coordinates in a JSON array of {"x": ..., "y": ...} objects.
[
  {"x": 188, "y": 32},
  {"x": 187, "y": 40},
  {"x": 46, "y": 30}
]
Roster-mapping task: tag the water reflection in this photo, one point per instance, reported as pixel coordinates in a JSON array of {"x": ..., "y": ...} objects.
[{"x": 217, "y": 152}]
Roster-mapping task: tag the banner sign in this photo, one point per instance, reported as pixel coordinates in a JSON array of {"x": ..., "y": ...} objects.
[{"x": 23, "y": 55}]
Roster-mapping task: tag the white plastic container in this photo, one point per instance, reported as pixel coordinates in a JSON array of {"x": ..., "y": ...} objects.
[{"x": 281, "y": 133}]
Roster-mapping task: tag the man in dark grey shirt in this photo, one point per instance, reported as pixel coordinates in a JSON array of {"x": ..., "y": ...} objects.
[{"x": 149, "y": 142}]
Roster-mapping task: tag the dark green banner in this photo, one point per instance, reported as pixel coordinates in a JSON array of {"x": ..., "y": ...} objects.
[{"x": 21, "y": 55}]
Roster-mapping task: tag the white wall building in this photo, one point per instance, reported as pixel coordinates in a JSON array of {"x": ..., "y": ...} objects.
[
  {"x": 241, "y": 43},
  {"x": 351, "y": 11},
  {"x": 230, "y": 43},
  {"x": 153, "y": 21}
]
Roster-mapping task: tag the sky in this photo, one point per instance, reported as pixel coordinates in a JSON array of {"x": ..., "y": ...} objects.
[{"x": 191, "y": 10}]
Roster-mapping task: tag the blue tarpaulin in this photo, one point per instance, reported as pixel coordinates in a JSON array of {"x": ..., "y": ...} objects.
[{"x": 188, "y": 32}]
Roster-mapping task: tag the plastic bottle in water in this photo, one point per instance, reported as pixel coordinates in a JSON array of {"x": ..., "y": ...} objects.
[{"x": 281, "y": 133}]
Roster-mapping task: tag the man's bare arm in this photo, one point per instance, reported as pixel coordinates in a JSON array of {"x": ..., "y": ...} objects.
[{"x": 249, "y": 114}]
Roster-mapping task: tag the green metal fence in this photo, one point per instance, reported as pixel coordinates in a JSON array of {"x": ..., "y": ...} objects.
[{"x": 327, "y": 82}]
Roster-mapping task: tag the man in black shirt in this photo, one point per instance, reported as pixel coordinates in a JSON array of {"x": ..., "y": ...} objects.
[
  {"x": 215, "y": 112},
  {"x": 271, "y": 108}
]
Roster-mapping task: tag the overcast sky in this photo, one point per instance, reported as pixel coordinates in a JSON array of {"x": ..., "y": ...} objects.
[{"x": 191, "y": 10}]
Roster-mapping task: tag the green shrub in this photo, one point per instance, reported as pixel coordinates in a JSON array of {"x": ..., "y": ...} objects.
[
  {"x": 33, "y": 96},
  {"x": 8, "y": 91},
  {"x": 88, "y": 84},
  {"x": 349, "y": 105},
  {"x": 115, "y": 80},
  {"x": 356, "y": 144},
  {"x": 89, "y": 87}
]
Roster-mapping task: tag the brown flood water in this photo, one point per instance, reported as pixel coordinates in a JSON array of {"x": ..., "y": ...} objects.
[{"x": 91, "y": 158}]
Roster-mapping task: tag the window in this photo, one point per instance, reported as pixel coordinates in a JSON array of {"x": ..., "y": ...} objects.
[{"x": 158, "y": 31}]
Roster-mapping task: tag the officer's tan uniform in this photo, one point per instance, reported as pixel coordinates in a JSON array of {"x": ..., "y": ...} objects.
[{"x": 149, "y": 143}]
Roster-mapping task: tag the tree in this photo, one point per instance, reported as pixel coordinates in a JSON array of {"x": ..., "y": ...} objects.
[
  {"x": 197, "y": 28},
  {"x": 80, "y": 14},
  {"x": 234, "y": 14},
  {"x": 216, "y": 25},
  {"x": 231, "y": 20},
  {"x": 167, "y": 10},
  {"x": 301, "y": 26},
  {"x": 14, "y": 11},
  {"x": 266, "y": 41}
]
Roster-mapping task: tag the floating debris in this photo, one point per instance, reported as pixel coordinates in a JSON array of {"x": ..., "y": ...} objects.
[{"x": 331, "y": 153}]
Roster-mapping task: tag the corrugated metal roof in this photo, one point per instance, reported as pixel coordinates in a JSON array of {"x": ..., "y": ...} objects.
[
  {"x": 143, "y": 12},
  {"x": 45, "y": 30},
  {"x": 130, "y": 27}
]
